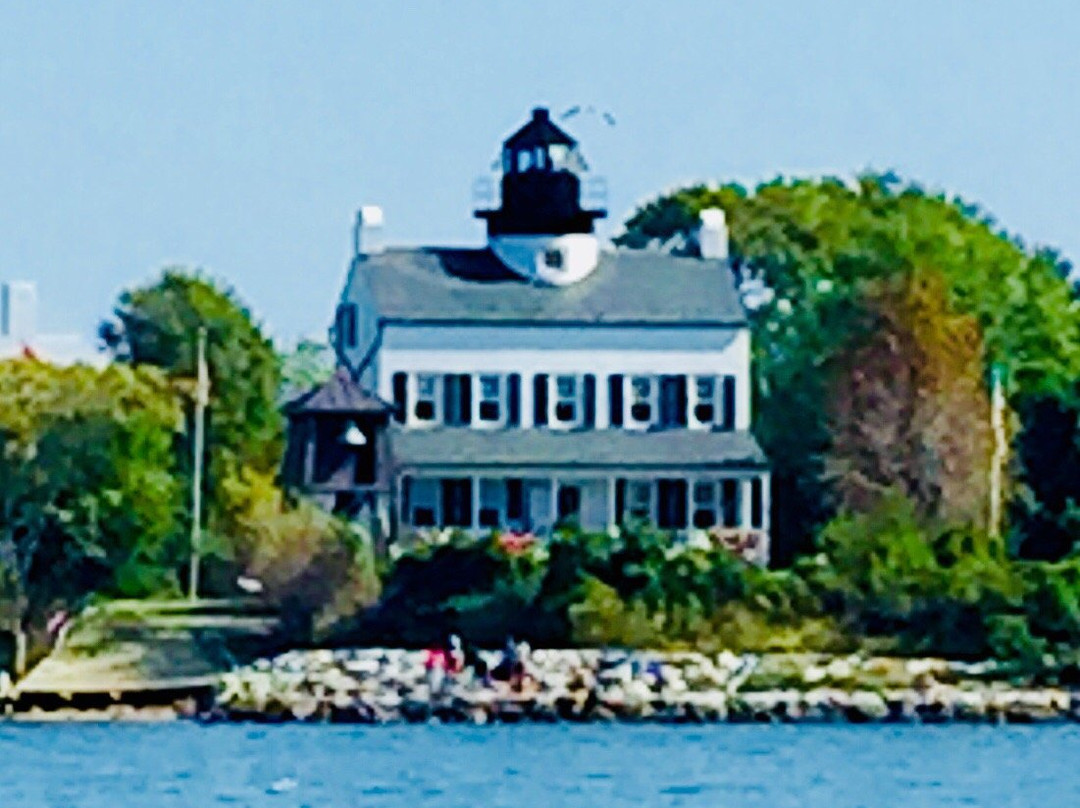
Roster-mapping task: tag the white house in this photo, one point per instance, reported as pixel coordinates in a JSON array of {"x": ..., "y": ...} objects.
[
  {"x": 20, "y": 338},
  {"x": 542, "y": 378}
]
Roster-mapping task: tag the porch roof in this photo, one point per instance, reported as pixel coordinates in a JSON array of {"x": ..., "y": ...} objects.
[{"x": 615, "y": 449}]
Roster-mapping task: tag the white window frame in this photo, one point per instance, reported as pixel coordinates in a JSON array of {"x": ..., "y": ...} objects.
[
  {"x": 491, "y": 496},
  {"x": 500, "y": 400},
  {"x": 631, "y": 502},
  {"x": 694, "y": 400},
  {"x": 712, "y": 503},
  {"x": 554, "y": 398},
  {"x": 629, "y": 398},
  {"x": 436, "y": 398},
  {"x": 431, "y": 487}
]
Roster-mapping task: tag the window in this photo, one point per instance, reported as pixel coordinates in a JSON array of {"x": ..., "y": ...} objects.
[
  {"x": 671, "y": 496},
  {"x": 490, "y": 398},
  {"x": 457, "y": 503},
  {"x": 639, "y": 499},
  {"x": 641, "y": 394},
  {"x": 423, "y": 516},
  {"x": 566, "y": 399},
  {"x": 347, "y": 335},
  {"x": 524, "y": 160},
  {"x": 568, "y": 504},
  {"x": 553, "y": 259},
  {"x": 704, "y": 505},
  {"x": 492, "y": 502},
  {"x": 705, "y": 406},
  {"x": 420, "y": 499},
  {"x": 427, "y": 397}
]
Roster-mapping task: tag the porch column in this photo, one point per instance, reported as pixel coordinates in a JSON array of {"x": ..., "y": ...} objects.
[
  {"x": 554, "y": 503},
  {"x": 766, "y": 501},
  {"x": 745, "y": 502},
  {"x": 309, "y": 452},
  {"x": 474, "y": 485},
  {"x": 690, "y": 503},
  {"x": 611, "y": 496}
]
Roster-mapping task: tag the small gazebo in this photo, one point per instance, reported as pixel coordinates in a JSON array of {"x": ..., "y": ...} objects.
[{"x": 336, "y": 450}]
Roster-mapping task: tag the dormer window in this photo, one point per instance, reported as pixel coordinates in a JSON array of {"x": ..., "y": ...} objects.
[
  {"x": 490, "y": 399},
  {"x": 565, "y": 403},
  {"x": 553, "y": 259},
  {"x": 642, "y": 393},
  {"x": 427, "y": 397}
]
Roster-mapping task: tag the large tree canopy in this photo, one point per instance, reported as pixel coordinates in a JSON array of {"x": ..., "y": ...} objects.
[
  {"x": 823, "y": 247},
  {"x": 157, "y": 325},
  {"x": 90, "y": 500}
]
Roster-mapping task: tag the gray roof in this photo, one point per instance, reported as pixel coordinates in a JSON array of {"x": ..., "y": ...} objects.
[
  {"x": 593, "y": 449},
  {"x": 628, "y": 287},
  {"x": 340, "y": 393}
]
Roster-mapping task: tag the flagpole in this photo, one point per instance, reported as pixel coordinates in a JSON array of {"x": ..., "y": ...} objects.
[
  {"x": 997, "y": 462},
  {"x": 202, "y": 395}
]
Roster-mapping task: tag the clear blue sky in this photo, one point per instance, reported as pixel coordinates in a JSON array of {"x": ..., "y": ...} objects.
[{"x": 241, "y": 137}]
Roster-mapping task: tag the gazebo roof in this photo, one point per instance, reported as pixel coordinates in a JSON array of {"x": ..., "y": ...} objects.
[{"x": 339, "y": 394}]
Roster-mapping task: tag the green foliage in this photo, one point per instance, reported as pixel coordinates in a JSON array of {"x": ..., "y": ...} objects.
[
  {"x": 309, "y": 364},
  {"x": 159, "y": 326},
  {"x": 890, "y": 572},
  {"x": 90, "y": 500},
  {"x": 314, "y": 567},
  {"x": 822, "y": 246}
]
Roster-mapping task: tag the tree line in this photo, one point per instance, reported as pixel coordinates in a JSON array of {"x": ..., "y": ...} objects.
[{"x": 891, "y": 310}]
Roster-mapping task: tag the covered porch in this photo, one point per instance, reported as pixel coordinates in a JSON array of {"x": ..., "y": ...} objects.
[{"x": 733, "y": 508}]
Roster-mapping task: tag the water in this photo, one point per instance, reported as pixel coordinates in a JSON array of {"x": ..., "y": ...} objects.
[{"x": 187, "y": 766}]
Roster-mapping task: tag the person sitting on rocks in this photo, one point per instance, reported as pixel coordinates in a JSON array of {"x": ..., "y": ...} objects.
[
  {"x": 503, "y": 671},
  {"x": 435, "y": 666},
  {"x": 455, "y": 655}
]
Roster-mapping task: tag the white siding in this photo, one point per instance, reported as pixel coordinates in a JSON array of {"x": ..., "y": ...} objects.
[{"x": 600, "y": 350}]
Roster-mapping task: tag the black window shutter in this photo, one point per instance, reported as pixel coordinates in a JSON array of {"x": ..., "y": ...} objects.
[
  {"x": 450, "y": 402},
  {"x": 406, "y": 509},
  {"x": 682, "y": 403},
  {"x": 515, "y": 498},
  {"x": 589, "y": 414},
  {"x": 620, "y": 500},
  {"x": 540, "y": 403},
  {"x": 728, "y": 422},
  {"x": 401, "y": 404},
  {"x": 513, "y": 399},
  {"x": 615, "y": 385},
  {"x": 465, "y": 393}
]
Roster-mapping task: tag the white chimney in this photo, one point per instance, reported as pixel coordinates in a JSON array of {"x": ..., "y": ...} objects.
[
  {"x": 18, "y": 310},
  {"x": 369, "y": 230},
  {"x": 713, "y": 234}
]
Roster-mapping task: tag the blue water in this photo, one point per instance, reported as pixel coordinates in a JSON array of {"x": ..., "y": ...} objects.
[{"x": 187, "y": 766}]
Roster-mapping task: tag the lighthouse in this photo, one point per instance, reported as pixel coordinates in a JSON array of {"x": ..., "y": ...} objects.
[{"x": 541, "y": 231}]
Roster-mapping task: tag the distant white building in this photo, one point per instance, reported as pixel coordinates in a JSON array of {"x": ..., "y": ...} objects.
[
  {"x": 540, "y": 378},
  {"x": 19, "y": 336}
]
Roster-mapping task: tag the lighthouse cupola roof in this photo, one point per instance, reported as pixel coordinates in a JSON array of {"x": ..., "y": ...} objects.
[{"x": 541, "y": 183}]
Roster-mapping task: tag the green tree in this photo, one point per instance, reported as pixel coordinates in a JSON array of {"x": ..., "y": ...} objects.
[
  {"x": 820, "y": 246},
  {"x": 157, "y": 325},
  {"x": 90, "y": 501}
]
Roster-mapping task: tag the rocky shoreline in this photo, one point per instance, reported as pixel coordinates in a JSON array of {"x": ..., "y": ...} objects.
[{"x": 386, "y": 686}]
